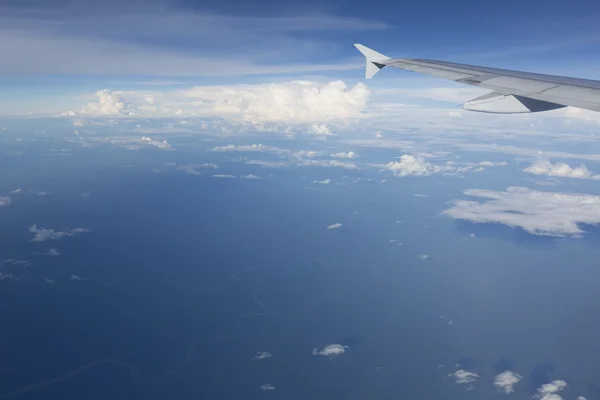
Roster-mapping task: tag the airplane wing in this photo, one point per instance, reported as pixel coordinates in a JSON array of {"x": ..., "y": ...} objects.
[{"x": 512, "y": 91}]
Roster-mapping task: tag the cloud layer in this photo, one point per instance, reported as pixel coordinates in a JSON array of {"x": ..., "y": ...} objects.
[{"x": 537, "y": 212}]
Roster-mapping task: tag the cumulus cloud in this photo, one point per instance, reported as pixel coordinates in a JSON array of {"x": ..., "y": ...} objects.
[
  {"x": 43, "y": 234},
  {"x": 559, "y": 169},
  {"x": 164, "y": 145},
  {"x": 109, "y": 103},
  {"x": 464, "y": 377},
  {"x": 323, "y": 182},
  {"x": 289, "y": 107},
  {"x": 319, "y": 130},
  {"x": 549, "y": 391},
  {"x": 410, "y": 165},
  {"x": 537, "y": 212},
  {"x": 506, "y": 381},
  {"x": 349, "y": 154},
  {"x": 5, "y": 201},
  {"x": 294, "y": 102},
  {"x": 330, "y": 350},
  {"x": 334, "y": 226}
]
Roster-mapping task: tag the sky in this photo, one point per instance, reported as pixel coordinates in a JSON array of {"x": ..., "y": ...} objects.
[
  {"x": 58, "y": 56},
  {"x": 208, "y": 200}
]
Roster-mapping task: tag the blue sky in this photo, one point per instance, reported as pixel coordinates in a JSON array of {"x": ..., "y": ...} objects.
[{"x": 78, "y": 47}]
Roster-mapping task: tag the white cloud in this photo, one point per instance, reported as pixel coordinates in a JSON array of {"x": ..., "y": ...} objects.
[
  {"x": 492, "y": 164},
  {"x": 537, "y": 212},
  {"x": 349, "y": 154},
  {"x": 164, "y": 145},
  {"x": 258, "y": 148},
  {"x": 506, "y": 381},
  {"x": 17, "y": 191},
  {"x": 92, "y": 39},
  {"x": 43, "y": 234},
  {"x": 267, "y": 387},
  {"x": 330, "y": 350},
  {"x": 549, "y": 391},
  {"x": 5, "y": 201},
  {"x": 261, "y": 355},
  {"x": 224, "y": 176},
  {"x": 335, "y": 226},
  {"x": 194, "y": 169},
  {"x": 54, "y": 252},
  {"x": 109, "y": 103},
  {"x": 319, "y": 130},
  {"x": 250, "y": 176},
  {"x": 410, "y": 165},
  {"x": 323, "y": 182},
  {"x": 288, "y": 107},
  {"x": 559, "y": 169},
  {"x": 291, "y": 102},
  {"x": 464, "y": 377}
]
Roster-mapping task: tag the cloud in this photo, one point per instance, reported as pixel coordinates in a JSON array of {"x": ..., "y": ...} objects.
[
  {"x": 349, "y": 154},
  {"x": 289, "y": 102},
  {"x": 549, "y": 391},
  {"x": 323, "y": 182},
  {"x": 326, "y": 163},
  {"x": 224, "y": 176},
  {"x": 250, "y": 176},
  {"x": 464, "y": 377},
  {"x": 330, "y": 350},
  {"x": 267, "y": 387},
  {"x": 5, "y": 201},
  {"x": 259, "y": 148},
  {"x": 72, "y": 38},
  {"x": 288, "y": 107},
  {"x": 537, "y": 212},
  {"x": 109, "y": 103},
  {"x": 506, "y": 381},
  {"x": 43, "y": 234},
  {"x": 164, "y": 145},
  {"x": 560, "y": 169},
  {"x": 194, "y": 169},
  {"x": 334, "y": 226},
  {"x": 410, "y": 165},
  {"x": 54, "y": 252},
  {"x": 17, "y": 191},
  {"x": 261, "y": 355},
  {"x": 319, "y": 130}
]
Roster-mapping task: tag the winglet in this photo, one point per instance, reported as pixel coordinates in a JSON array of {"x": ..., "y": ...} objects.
[{"x": 375, "y": 61}]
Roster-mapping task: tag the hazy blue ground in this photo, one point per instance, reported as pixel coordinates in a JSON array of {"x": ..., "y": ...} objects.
[{"x": 156, "y": 289}]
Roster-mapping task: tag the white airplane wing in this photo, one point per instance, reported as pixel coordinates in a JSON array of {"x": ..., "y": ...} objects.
[{"x": 512, "y": 91}]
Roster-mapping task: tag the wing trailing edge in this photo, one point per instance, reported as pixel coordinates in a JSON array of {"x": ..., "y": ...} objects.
[{"x": 497, "y": 103}]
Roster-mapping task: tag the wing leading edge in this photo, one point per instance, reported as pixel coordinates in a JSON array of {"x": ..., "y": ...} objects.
[{"x": 512, "y": 91}]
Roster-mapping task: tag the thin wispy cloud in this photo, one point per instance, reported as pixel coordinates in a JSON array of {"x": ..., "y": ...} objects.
[
  {"x": 124, "y": 40},
  {"x": 337, "y": 225},
  {"x": 43, "y": 234},
  {"x": 464, "y": 377}
]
